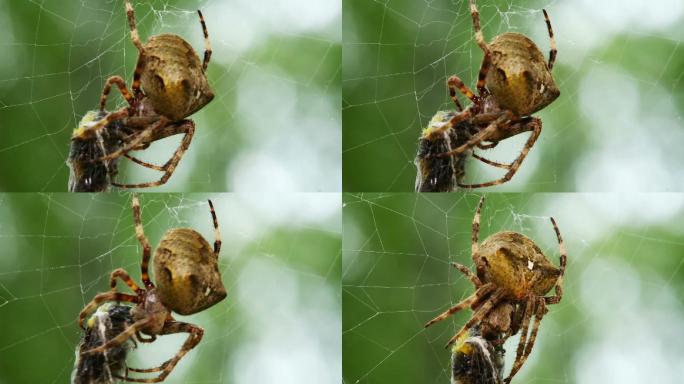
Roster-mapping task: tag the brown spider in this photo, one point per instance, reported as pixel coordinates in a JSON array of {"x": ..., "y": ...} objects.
[
  {"x": 513, "y": 277},
  {"x": 514, "y": 82},
  {"x": 188, "y": 281},
  {"x": 175, "y": 85}
]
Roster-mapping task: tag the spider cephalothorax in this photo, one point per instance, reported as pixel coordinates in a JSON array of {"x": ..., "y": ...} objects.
[
  {"x": 513, "y": 276},
  {"x": 188, "y": 281},
  {"x": 514, "y": 82},
  {"x": 174, "y": 86}
]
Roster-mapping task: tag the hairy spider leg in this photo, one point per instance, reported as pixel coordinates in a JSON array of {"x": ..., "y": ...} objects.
[
  {"x": 455, "y": 83},
  {"x": 534, "y": 125},
  {"x": 479, "y": 38},
  {"x": 120, "y": 273},
  {"x": 101, "y": 298},
  {"x": 130, "y": 15},
  {"x": 217, "y": 232},
  {"x": 147, "y": 249},
  {"x": 144, "y": 137},
  {"x": 120, "y": 338},
  {"x": 519, "y": 354},
  {"x": 207, "y": 44},
  {"x": 479, "y": 314},
  {"x": 469, "y": 301},
  {"x": 186, "y": 127},
  {"x": 121, "y": 84},
  {"x": 475, "y": 231},
  {"x": 563, "y": 261},
  {"x": 469, "y": 274},
  {"x": 553, "y": 51},
  {"x": 193, "y": 339}
]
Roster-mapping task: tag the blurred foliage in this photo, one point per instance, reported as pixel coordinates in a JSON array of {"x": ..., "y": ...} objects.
[
  {"x": 59, "y": 250},
  {"x": 624, "y": 272},
  {"x": 398, "y": 55},
  {"x": 59, "y": 54}
]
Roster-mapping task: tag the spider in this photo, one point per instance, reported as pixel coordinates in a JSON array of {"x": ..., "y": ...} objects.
[
  {"x": 175, "y": 85},
  {"x": 512, "y": 279},
  {"x": 188, "y": 281},
  {"x": 514, "y": 82},
  {"x": 107, "y": 322}
]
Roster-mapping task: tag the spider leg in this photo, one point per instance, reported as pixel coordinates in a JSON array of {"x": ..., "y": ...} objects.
[
  {"x": 135, "y": 86},
  {"x": 193, "y": 339},
  {"x": 147, "y": 249},
  {"x": 484, "y": 134},
  {"x": 469, "y": 274},
  {"x": 482, "y": 76},
  {"x": 187, "y": 127},
  {"x": 536, "y": 126},
  {"x": 143, "y": 163},
  {"x": 121, "y": 84},
  {"x": 465, "y": 303},
  {"x": 474, "y": 246},
  {"x": 217, "y": 232},
  {"x": 130, "y": 14},
  {"x": 207, "y": 44},
  {"x": 491, "y": 162},
  {"x": 527, "y": 348},
  {"x": 519, "y": 355},
  {"x": 553, "y": 51},
  {"x": 479, "y": 38},
  {"x": 101, "y": 298},
  {"x": 120, "y": 338},
  {"x": 456, "y": 84},
  {"x": 143, "y": 137},
  {"x": 123, "y": 275},
  {"x": 481, "y": 312},
  {"x": 563, "y": 261}
]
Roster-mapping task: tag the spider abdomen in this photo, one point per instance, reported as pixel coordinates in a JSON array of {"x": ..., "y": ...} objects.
[
  {"x": 514, "y": 263},
  {"x": 186, "y": 272},
  {"x": 173, "y": 78},
  {"x": 519, "y": 78}
]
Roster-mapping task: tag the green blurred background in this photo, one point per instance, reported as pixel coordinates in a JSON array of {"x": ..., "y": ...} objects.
[
  {"x": 623, "y": 306},
  {"x": 280, "y": 262},
  {"x": 275, "y": 71},
  {"x": 617, "y": 125}
]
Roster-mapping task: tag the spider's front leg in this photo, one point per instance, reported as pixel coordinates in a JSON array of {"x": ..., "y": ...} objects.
[
  {"x": 186, "y": 127},
  {"x": 141, "y": 138},
  {"x": 121, "y": 84},
  {"x": 102, "y": 298},
  {"x": 121, "y": 337},
  {"x": 456, "y": 84},
  {"x": 502, "y": 132}
]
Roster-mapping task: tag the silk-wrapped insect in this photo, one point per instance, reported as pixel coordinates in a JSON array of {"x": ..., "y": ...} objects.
[{"x": 107, "y": 367}]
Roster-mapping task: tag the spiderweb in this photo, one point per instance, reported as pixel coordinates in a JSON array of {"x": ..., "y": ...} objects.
[
  {"x": 622, "y": 302},
  {"x": 280, "y": 262},
  {"x": 275, "y": 115},
  {"x": 619, "y": 68}
]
